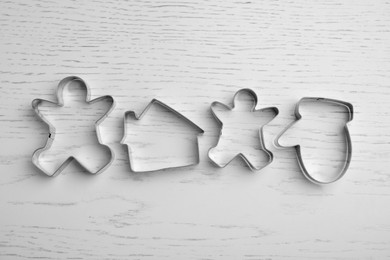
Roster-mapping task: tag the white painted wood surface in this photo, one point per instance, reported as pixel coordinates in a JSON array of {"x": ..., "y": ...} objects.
[{"x": 188, "y": 54}]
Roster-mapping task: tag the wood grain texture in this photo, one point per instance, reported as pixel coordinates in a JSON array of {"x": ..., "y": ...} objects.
[{"x": 189, "y": 54}]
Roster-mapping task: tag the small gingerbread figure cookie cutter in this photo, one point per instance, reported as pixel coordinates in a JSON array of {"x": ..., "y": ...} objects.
[
  {"x": 52, "y": 130},
  {"x": 348, "y": 156},
  {"x": 261, "y": 136}
]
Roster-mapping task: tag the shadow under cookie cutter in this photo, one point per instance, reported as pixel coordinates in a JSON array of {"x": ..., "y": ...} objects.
[
  {"x": 348, "y": 157},
  {"x": 52, "y": 131},
  {"x": 140, "y": 116},
  {"x": 261, "y": 137}
]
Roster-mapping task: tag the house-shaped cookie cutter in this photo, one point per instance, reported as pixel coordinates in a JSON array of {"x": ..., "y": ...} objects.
[{"x": 130, "y": 151}]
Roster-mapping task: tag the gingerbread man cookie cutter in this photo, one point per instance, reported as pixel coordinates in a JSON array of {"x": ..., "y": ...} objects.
[
  {"x": 241, "y": 155},
  {"x": 52, "y": 130},
  {"x": 348, "y": 154}
]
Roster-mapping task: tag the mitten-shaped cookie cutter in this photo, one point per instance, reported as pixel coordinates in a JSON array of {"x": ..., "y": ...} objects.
[
  {"x": 52, "y": 130},
  {"x": 348, "y": 153}
]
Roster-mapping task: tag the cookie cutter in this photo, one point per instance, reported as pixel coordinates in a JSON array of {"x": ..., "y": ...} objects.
[
  {"x": 297, "y": 148},
  {"x": 52, "y": 131},
  {"x": 261, "y": 136},
  {"x": 140, "y": 116}
]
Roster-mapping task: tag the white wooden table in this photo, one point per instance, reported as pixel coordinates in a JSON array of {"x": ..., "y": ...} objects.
[{"x": 189, "y": 54}]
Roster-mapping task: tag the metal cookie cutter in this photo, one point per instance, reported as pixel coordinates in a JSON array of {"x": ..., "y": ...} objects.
[
  {"x": 169, "y": 164},
  {"x": 261, "y": 137},
  {"x": 348, "y": 154},
  {"x": 52, "y": 131}
]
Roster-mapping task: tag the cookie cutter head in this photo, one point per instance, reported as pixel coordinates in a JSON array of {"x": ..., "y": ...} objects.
[
  {"x": 348, "y": 154},
  {"x": 132, "y": 114},
  {"x": 52, "y": 130},
  {"x": 253, "y": 95}
]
